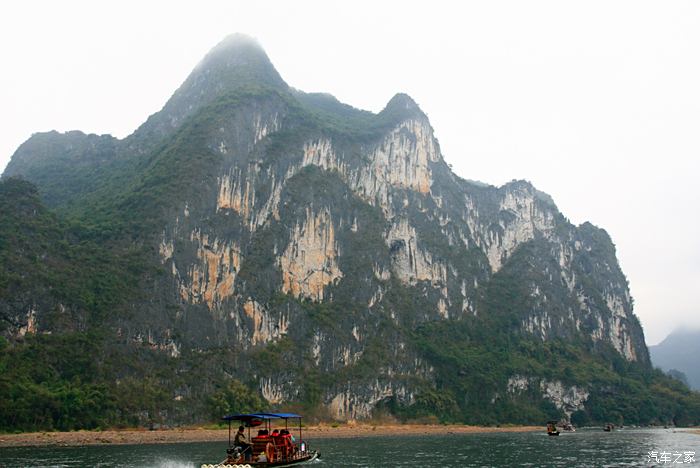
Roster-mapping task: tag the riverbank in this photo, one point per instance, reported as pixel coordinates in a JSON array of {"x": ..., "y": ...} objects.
[{"x": 174, "y": 436}]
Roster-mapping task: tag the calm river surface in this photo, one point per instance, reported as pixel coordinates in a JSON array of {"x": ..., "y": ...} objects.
[{"x": 585, "y": 448}]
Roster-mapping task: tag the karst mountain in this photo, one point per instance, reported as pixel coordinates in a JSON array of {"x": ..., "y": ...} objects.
[{"x": 252, "y": 246}]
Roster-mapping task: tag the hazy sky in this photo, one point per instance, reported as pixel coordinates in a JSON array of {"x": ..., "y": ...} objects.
[{"x": 595, "y": 103}]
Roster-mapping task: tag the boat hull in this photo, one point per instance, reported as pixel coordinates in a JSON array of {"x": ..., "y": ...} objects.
[{"x": 277, "y": 464}]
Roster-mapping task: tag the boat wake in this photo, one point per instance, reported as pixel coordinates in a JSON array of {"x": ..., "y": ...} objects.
[
  {"x": 174, "y": 464},
  {"x": 227, "y": 466}
]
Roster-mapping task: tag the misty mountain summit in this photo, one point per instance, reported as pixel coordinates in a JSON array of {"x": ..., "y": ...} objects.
[
  {"x": 679, "y": 351},
  {"x": 402, "y": 104},
  {"x": 235, "y": 63},
  {"x": 252, "y": 245}
]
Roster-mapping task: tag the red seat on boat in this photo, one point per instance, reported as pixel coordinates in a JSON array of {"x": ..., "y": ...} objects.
[
  {"x": 260, "y": 444},
  {"x": 283, "y": 446}
]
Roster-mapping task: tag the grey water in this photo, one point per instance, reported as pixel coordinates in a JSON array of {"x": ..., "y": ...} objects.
[{"x": 584, "y": 448}]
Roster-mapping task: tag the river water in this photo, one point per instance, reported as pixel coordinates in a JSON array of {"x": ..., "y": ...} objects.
[{"x": 584, "y": 448}]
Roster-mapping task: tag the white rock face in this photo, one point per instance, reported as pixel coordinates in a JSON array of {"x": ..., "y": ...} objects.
[
  {"x": 211, "y": 279},
  {"x": 442, "y": 308},
  {"x": 166, "y": 249},
  {"x": 615, "y": 304},
  {"x": 525, "y": 218},
  {"x": 321, "y": 153},
  {"x": 30, "y": 325},
  {"x": 309, "y": 263},
  {"x": 376, "y": 298},
  {"x": 517, "y": 384},
  {"x": 565, "y": 262},
  {"x": 612, "y": 328},
  {"x": 410, "y": 263},
  {"x": 539, "y": 324},
  {"x": 400, "y": 160},
  {"x": 265, "y": 125},
  {"x": 265, "y": 328},
  {"x": 568, "y": 399},
  {"x": 168, "y": 345},
  {"x": 349, "y": 405},
  {"x": 316, "y": 347},
  {"x": 621, "y": 340},
  {"x": 344, "y": 356},
  {"x": 615, "y": 329},
  {"x": 380, "y": 273},
  {"x": 522, "y": 217},
  {"x": 236, "y": 193},
  {"x": 273, "y": 392}
]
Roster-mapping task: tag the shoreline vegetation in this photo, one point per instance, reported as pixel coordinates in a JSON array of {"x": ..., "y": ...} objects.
[{"x": 200, "y": 434}]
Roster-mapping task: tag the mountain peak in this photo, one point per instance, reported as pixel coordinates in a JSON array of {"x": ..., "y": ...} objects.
[
  {"x": 402, "y": 100},
  {"x": 239, "y": 41},
  {"x": 237, "y": 62},
  {"x": 404, "y": 107},
  {"x": 241, "y": 57}
]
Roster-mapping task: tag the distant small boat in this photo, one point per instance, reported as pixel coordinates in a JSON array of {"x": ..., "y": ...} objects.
[
  {"x": 609, "y": 427},
  {"x": 552, "y": 428},
  {"x": 567, "y": 427}
]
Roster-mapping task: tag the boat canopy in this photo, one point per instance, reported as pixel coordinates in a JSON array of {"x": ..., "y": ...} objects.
[{"x": 251, "y": 416}]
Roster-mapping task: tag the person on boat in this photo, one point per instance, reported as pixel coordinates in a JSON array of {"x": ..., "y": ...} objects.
[
  {"x": 287, "y": 435},
  {"x": 278, "y": 441},
  {"x": 240, "y": 441}
]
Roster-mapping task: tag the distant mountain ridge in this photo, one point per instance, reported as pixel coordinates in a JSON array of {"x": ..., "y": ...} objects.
[
  {"x": 251, "y": 246},
  {"x": 680, "y": 351}
]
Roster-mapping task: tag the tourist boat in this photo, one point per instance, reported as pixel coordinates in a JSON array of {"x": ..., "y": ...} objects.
[
  {"x": 268, "y": 448},
  {"x": 552, "y": 428},
  {"x": 608, "y": 427}
]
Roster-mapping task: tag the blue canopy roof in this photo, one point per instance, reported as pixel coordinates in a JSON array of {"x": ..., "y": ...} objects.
[
  {"x": 249, "y": 416},
  {"x": 283, "y": 415}
]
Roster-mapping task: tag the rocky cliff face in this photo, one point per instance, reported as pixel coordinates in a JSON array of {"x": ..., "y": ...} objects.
[{"x": 332, "y": 235}]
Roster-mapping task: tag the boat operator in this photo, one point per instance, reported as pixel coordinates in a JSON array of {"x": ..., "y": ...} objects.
[{"x": 240, "y": 441}]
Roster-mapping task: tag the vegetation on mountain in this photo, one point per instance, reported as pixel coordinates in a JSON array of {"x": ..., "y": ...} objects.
[{"x": 106, "y": 319}]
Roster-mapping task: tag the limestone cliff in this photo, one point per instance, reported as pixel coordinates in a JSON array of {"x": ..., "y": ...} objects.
[{"x": 315, "y": 239}]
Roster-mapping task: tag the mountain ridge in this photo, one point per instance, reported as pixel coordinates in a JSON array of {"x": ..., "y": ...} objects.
[
  {"x": 314, "y": 255},
  {"x": 678, "y": 351}
]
